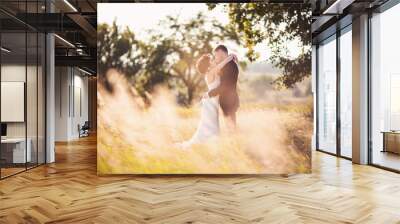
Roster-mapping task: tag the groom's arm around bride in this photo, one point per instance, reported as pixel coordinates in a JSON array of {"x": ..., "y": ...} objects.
[
  {"x": 229, "y": 77},
  {"x": 228, "y": 97}
]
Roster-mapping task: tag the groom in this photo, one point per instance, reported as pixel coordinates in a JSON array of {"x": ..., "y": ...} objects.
[{"x": 228, "y": 97}]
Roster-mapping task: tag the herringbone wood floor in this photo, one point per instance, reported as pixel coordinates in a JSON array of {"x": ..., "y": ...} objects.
[{"x": 69, "y": 191}]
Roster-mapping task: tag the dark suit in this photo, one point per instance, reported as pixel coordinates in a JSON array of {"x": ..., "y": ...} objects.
[{"x": 228, "y": 97}]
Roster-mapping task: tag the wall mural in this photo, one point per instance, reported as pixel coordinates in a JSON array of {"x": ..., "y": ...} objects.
[{"x": 204, "y": 88}]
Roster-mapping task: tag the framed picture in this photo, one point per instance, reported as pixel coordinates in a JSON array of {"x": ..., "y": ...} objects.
[{"x": 201, "y": 88}]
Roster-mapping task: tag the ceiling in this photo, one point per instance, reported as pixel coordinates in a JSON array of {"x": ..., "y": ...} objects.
[{"x": 73, "y": 21}]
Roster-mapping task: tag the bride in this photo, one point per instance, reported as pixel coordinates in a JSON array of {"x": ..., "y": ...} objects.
[{"x": 208, "y": 126}]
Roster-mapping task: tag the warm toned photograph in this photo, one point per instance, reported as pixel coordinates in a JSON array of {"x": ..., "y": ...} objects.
[
  {"x": 203, "y": 88},
  {"x": 214, "y": 112}
]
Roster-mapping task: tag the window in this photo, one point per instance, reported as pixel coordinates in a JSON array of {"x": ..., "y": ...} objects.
[
  {"x": 327, "y": 95},
  {"x": 385, "y": 89},
  {"x": 346, "y": 92}
]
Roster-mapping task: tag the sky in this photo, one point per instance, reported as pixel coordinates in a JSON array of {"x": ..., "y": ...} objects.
[{"x": 140, "y": 17}]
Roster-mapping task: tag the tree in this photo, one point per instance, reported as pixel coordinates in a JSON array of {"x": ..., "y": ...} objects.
[
  {"x": 141, "y": 63},
  {"x": 189, "y": 41},
  {"x": 113, "y": 46},
  {"x": 277, "y": 24},
  {"x": 167, "y": 56}
]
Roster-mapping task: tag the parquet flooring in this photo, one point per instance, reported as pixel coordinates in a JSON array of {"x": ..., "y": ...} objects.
[
  {"x": 11, "y": 170},
  {"x": 69, "y": 191}
]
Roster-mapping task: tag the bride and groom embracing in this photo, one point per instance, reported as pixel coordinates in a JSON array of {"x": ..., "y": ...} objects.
[{"x": 220, "y": 71}]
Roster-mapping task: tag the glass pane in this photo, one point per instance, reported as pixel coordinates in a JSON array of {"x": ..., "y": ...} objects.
[
  {"x": 327, "y": 96},
  {"x": 385, "y": 89},
  {"x": 346, "y": 94},
  {"x": 31, "y": 97},
  {"x": 22, "y": 88},
  {"x": 41, "y": 98},
  {"x": 31, "y": 86},
  {"x": 13, "y": 89}
]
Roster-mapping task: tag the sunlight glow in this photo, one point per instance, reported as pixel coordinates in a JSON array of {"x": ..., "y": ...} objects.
[{"x": 142, "y": 17}]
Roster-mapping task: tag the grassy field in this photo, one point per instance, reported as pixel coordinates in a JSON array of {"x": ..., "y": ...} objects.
[{"x": 132, "y": 139}]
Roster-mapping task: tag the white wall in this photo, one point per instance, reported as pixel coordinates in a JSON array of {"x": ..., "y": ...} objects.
[
  {"x": 33, "y": 126},
  {"x": 71, "y": 102},
  {"x": 12, "y": 73},
  {"x": 80, "y": 109},
  {"x": 62, "y": 81}
]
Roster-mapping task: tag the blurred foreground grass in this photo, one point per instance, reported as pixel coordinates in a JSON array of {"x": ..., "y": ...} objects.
[{"x": 271, "y": 139}]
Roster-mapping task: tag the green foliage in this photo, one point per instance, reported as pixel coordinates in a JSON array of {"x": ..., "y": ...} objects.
[
  {"x": 141, "y": 63},
  {"x": 189, "y": 41},
  {"x": 113, "y": 45},
  {"x": 277, "y": 24},
  {"x": 168, "y": 56}
]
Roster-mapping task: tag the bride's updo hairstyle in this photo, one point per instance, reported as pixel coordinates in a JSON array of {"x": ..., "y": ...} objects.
[{"x": 203, "y": 64}]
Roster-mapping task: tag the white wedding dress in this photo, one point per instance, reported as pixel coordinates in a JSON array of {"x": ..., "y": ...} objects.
[{"x": 208, "y": 126}]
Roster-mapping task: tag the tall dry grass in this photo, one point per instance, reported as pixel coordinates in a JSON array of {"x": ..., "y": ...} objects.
[{"x": 133, "y": 138}]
